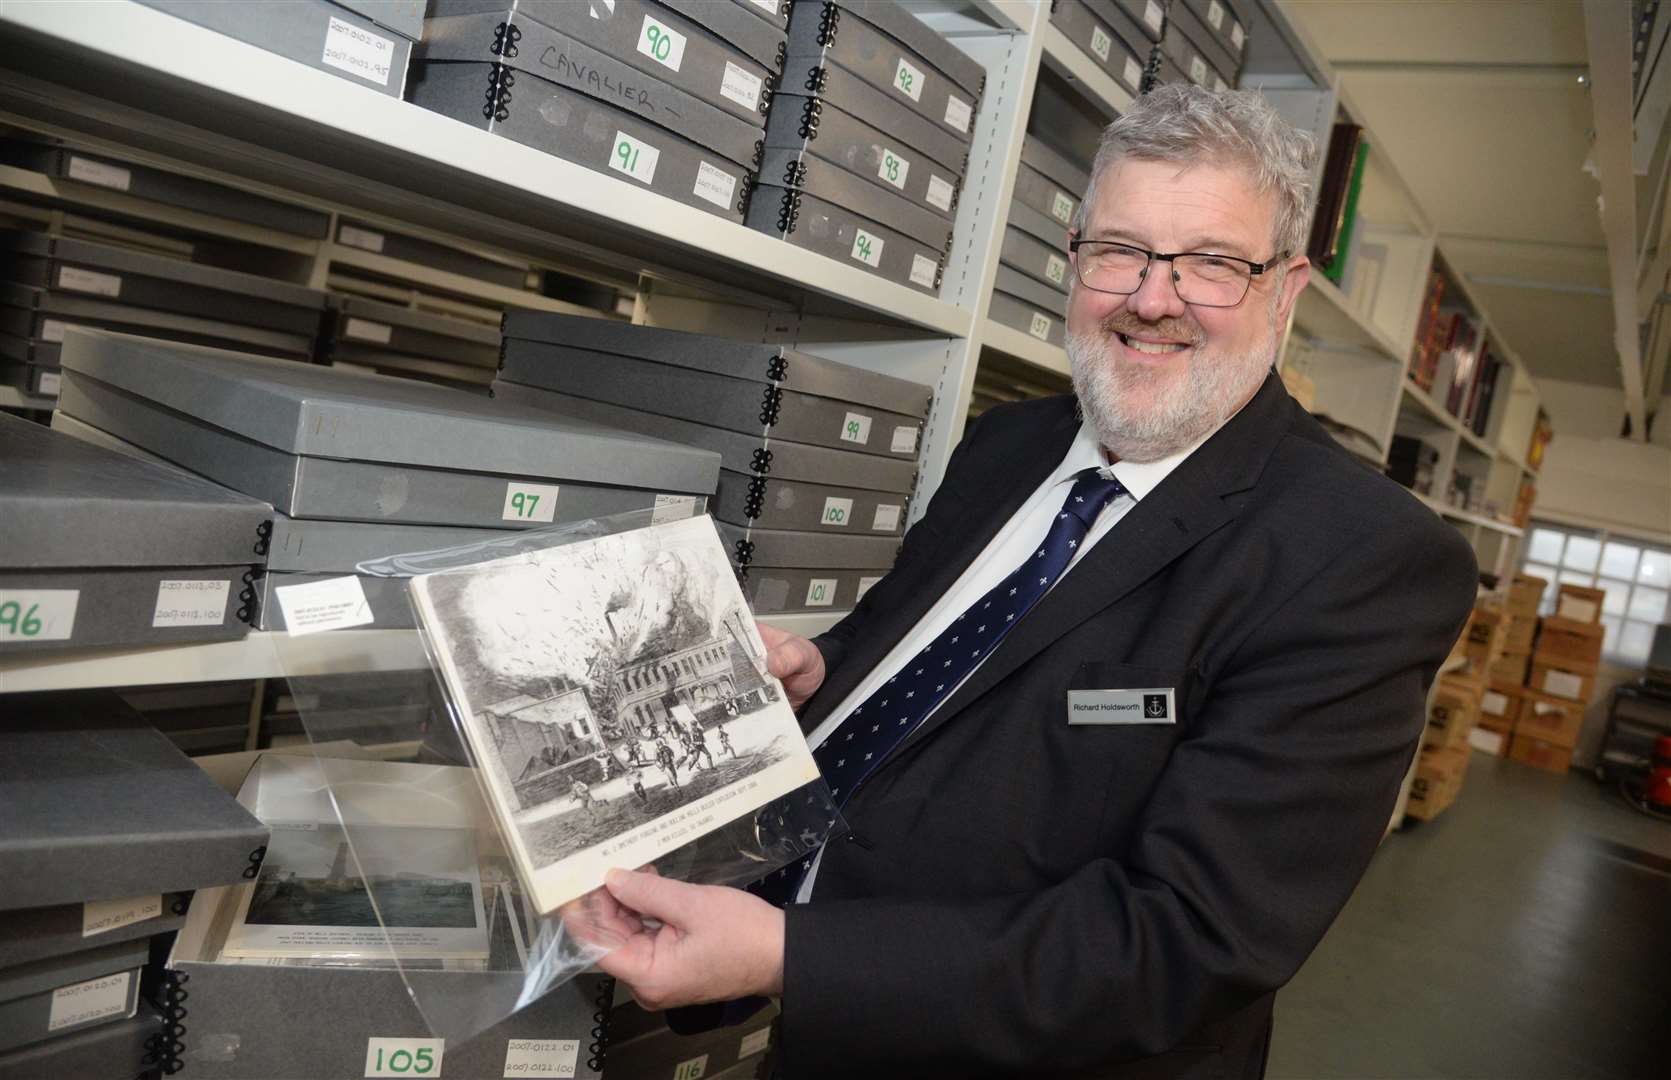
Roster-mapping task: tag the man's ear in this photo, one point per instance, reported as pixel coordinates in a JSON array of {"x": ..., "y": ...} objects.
[{"x": 1294, "y": 281}]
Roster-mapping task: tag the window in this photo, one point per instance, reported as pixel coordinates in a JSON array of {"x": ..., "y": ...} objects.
[{"x": 1635, "y": 575}]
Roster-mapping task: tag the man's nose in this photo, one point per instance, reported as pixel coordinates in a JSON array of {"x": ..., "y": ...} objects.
[{"x": 1156, "y": 298}]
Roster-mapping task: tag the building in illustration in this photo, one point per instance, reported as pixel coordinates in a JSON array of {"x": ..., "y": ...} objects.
[
  {"x": 540, "y": 737},
  {"x": 701, "y": 676}
]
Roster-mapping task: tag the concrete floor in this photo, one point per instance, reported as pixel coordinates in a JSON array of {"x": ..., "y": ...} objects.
[{"x": 1524, "y": 934}]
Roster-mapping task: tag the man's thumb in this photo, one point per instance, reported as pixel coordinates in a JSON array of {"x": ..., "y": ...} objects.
[{"x": 650, "y": 894}]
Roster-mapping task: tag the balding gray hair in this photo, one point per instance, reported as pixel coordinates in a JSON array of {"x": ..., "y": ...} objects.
[{"x": 1188, "y": 125}]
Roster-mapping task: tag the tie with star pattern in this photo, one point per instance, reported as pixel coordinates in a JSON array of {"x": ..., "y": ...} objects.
[{"x": 885, "y": 719}]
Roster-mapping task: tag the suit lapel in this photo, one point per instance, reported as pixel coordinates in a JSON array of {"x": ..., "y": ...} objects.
[
  {"x": 1019, "y": 474},
  {"x": 1186, "y": 507}
]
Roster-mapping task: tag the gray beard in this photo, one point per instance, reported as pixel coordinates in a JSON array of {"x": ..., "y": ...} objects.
[{"x": 1213, "y": 388}]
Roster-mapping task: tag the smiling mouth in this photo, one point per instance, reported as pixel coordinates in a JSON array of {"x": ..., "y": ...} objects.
[{"x": 1154, "y": 347}]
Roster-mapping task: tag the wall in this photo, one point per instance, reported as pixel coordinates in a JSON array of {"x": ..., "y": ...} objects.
[{"x": 1590, "y": 476}]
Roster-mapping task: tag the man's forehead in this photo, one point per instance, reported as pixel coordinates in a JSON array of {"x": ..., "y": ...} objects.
[{"x": 1203, "y": 200}]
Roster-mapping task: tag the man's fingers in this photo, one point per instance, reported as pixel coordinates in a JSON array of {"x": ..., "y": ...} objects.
[{"x": 651, "y": 894}]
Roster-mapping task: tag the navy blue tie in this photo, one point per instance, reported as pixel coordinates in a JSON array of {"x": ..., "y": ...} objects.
[{"x": 883, "y": 721}]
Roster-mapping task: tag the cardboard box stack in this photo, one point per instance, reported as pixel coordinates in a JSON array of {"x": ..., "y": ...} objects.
[
  {"x": 1561, "y": 680},
  {"x": 1525, "y": 594},
  {"x": 1451, "y": 719}
]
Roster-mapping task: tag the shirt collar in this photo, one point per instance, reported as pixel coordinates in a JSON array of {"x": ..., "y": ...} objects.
[{"x": 1138, "y": 477}]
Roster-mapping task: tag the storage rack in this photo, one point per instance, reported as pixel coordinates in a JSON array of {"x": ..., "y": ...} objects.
[{"x": 154, "y": 88}]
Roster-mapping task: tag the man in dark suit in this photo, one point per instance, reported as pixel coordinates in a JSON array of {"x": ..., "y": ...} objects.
[{"x": 1097, "y": 842}]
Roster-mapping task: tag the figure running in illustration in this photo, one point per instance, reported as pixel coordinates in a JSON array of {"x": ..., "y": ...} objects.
[
  {"x": 725, "y": 743},
  {"x": 583, "y": 795},
  {"x": 664, "y": 758},
  {"x": 697, "y": 743},
  {"x": 638, "y": 786}
]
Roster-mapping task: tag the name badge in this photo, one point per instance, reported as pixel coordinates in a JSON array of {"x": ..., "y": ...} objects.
[{"x": 1152, "y": 705}]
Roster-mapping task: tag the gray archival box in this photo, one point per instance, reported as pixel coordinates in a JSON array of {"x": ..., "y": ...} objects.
[
  {"x": 1088, "y": 29},
  {"x": 29, "y": 1003},
  {"x": 633, "y": 31},
  {"x": 121, "y": 1048},
  {"x": 771, "y": 502},
  {"x": 584, "y": 130},
  {"x": 258, "y": 424},
  {"x": 321, "y": 35},
  {"x": 893, "y": 51},
  {"x": 807, "y": 172},
  {"x": 130, "y": 814},
  {"x": 159, "y": 281},
  {"x": 556, "y": 57},
  {"x": 763, "y": 36},
  {"x": 735, "y": 404},
  {"x": 379, "y": 241},
  {"x": 1023, "y": 304},
  {"x": 414, "y": 333},
  {"x": 171, "y": 189},
  {"x": 43, "y": 314},
  {"x": 832, "y": 85},
  {"x": 783, "y": 547},
  {"x": 838, "y": 233},
  {"x": 749, "y": 454},
  {"x": 811, "y": 125},
  {"x": 36, "y": 933}
]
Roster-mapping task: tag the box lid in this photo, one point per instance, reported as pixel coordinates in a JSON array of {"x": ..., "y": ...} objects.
[
  {"x": 127, "y": 260},
  {"x": 794, "y": 548},
  {"x": 1013, "y": 282},
  {"x": 1573, "y": 626},
  {"x": 1054, "y": 166},
  {"x": 760, "y": 35},
  {"x": 404, "y": 17},
  {"x": 49, "y": 973},
  {"x": 358, "y": 307},
  {"x": 99, "y": 805},
  {"x": 1041, "y": 227},
  {"x": 796, "y": 370},
  {"x": 893, "y": 19},
  {"x": 67, "y": 503},
  {"x": 302, "y": 545},
  {"x": 308, "y": 410}
]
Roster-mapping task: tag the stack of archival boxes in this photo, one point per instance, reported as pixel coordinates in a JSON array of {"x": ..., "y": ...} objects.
[
  {"x": 670, "y": 95},
  {"x": 362, "y": 467},
  {"x": 98, "y": 877},
  {"x": 868, "y": 143},
  {"x": 1453, "y": 712},
  {"x": 1198, "y": 41},
  {"x": 818, "y": 459},
  {"x": 49, "y": 283},
  {"x": 366, "y": 42},
  {"x": 1030, "y": 293},
  {"x": 1561, "y": 682}
]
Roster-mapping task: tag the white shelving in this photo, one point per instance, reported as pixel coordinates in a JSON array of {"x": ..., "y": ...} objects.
[
  {"x": 1456, "y": 513},
  {"x": 1025, "y": 347},
  {"x": 234, "y": 106},
  {"x": 1324, "y": 318}
]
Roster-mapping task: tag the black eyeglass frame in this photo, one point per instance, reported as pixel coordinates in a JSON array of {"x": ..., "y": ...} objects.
[{"x": 1254, "y": 269}]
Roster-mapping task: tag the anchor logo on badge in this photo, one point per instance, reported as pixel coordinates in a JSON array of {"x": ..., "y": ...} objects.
[{"x": 1154, "y": 706}]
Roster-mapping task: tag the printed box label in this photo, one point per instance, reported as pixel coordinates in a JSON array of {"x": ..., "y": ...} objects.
[
  {"x": 52, "y": 330},
  {"x": 1134, "y": 73},
  {"x": 1152, "y": 15},
  {"x": 84, "y": 1002},
  {"x": 1215, "y": 15},
  {"x": 358, "y": 52},
  {"x": 90, "y": 281},
  {"x": 1237, "y": 36},
  {"x": 673, "y": 508},
  {"x": 741, "y": 86},
  {"x": 191, "y": 603},
  {"x": 541, "y": 1057},
  {"x": 103, "y": 916},
  {"x": 715, "y": 185},
  {"x": 754, "y": 1042},
  {"x": 904, "y": 440},
  {"x": 958, "y": 114},
  {"x": 334, "y": 604},
  {"x": 887, "y": 518},
  {"x": 940, "y": 192},
  {"x": 922, "y": 271},
  {"x": 100, "y": 173},
  {"x": 50, "y": 382},
  {"x": 865, "y": 584}
]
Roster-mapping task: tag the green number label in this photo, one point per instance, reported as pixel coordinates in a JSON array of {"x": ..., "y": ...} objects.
[
  {"x": 628, "y": 156},
  {"x": 406, "y": 1062},
  {"x": 892, "y": 165},
  {"x": 852, "y": 431},
  {"x": 524, "y": 504},
  {"x": 21, "y": 622},
  {"x": 660, "y": 43},
  {"x": 908, "y": 80},
  {"x": 864, "y": 248}
]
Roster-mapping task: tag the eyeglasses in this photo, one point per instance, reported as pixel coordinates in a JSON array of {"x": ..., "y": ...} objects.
[{"x": 1200, "y": 278}]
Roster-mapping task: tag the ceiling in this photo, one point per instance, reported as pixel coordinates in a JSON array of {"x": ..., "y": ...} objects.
[{"x": 1479, "y": 107}]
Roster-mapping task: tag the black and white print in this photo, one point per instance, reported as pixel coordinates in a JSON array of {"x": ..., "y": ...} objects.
[
  {"x": 421, "y": 895},
  {"x": 613, "y": 695}
]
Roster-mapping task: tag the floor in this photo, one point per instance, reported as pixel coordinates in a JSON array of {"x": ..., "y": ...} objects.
[{"x": 1524, "y": 934}]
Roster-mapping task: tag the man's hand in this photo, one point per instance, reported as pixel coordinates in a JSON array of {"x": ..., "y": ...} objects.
[
  {"x": 714, "y": 943},
  {"x": 794, "y": 661}
]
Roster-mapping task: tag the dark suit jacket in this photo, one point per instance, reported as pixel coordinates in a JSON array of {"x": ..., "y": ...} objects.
[{"x": 1027, "y": 898}]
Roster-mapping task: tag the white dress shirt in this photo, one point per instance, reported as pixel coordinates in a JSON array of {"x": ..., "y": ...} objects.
[{"x": 1015, "y": 541}]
